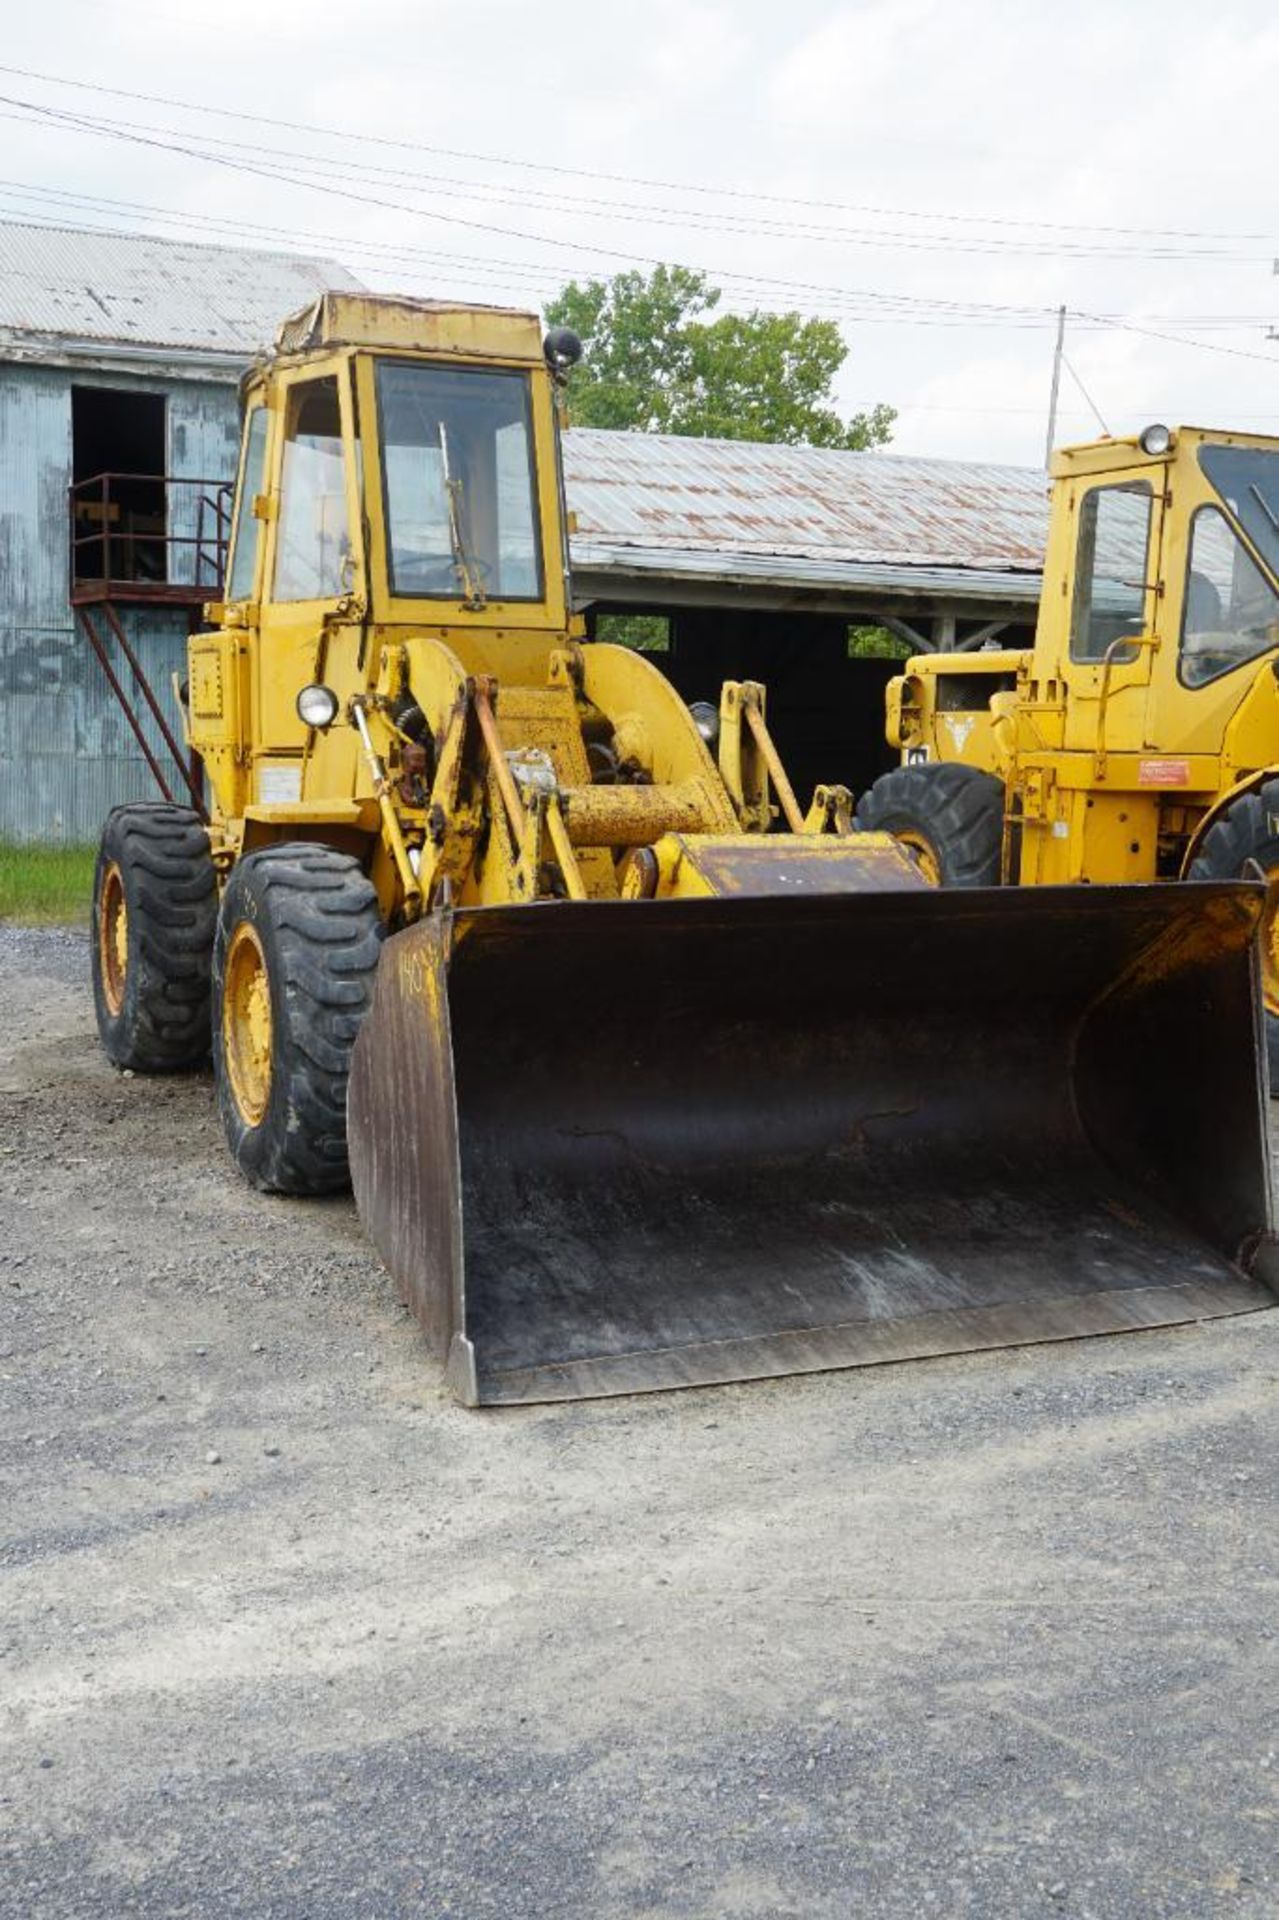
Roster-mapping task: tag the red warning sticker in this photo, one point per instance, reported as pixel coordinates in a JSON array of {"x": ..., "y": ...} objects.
[{"x": 1163, "y": 773}]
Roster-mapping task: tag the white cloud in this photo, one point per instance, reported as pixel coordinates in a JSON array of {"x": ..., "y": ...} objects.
[{"x": 690, "y": 51}]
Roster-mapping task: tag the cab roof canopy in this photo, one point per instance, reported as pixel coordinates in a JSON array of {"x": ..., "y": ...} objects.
[{"x": 405, "y": 324}]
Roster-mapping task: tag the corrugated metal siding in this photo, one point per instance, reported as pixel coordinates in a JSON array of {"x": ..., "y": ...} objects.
[
  {"x": 204, "y": 440},
  {"x": 53, "y": 801},
  {"x": 67, "y": 753},
  {"x": 35, "y": 467},
  {"x": 639, "y": 493},
  {"x": 130, "y": 288}
]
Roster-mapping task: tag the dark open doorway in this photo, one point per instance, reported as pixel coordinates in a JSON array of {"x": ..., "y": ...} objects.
[
  {"x": 825, "y": 702},
  {"x": 118, "y": 457}
]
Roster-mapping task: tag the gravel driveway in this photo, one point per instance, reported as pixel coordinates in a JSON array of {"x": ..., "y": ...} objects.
[{"x": 285, "y": 1633}]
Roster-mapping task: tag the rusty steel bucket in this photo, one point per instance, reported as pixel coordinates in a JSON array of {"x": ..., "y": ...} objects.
[{"x": 606, "y": 1147}]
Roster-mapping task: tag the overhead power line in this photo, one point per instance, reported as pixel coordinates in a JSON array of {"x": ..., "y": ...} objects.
[
  {"x": 90, "y": 212},
  {"x": 470, "y": 265},
  {"x": 392, "y": 253},
  {"x": 538, "y": 282},
  {"x": 701, "y": 189},
  {"x": 1183, "y": 340},
  {"x": 774, "y": 226},
  {"x": 898, "y": 305},
  {"x": 263, "y": 170},
  {"x": 861, "y": 303}
]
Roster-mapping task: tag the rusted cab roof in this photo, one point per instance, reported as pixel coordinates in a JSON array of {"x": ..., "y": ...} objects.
[{"x": 402, "y": 323}]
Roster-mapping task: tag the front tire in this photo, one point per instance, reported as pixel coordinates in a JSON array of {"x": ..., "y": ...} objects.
[
  {"x": 155, "y": 906},
  {"x": 950, "y": 816},
  {"x": 297, "y": 947},
  {"x": 1243, "y": 838}
]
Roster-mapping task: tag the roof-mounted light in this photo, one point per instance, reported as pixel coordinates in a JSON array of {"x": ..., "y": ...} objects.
[
  {"x": 1156, "y": 440},
  {"x": 562, "y": 348}
]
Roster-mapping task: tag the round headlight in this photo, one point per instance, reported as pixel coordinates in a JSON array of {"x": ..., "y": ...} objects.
[
  {"x": 706, "y": 720},
  {"x": 1156, "y": 439},
  {"x": 317, "y": 706}
]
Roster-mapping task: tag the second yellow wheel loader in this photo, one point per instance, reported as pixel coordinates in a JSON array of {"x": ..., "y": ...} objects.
[
  {"x": 635, "y": 1090},
  {"x": 1138, "y": 739}
]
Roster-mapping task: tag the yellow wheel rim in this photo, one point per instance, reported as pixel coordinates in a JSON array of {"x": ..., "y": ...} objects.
[
  {"x": 925, "y": 856},
  {"x": 113, "y": 939},
  {"x": 246, "y": 1025}
]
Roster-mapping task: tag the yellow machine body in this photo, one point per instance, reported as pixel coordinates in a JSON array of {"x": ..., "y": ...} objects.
[
  {"x": 655, "y": 1083},
  {"x": 514, "y": 705},
  {"x": 1149, "y": 699}
]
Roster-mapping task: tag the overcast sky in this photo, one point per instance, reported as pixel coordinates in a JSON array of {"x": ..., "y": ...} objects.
[{"x": 939, "y": 177}]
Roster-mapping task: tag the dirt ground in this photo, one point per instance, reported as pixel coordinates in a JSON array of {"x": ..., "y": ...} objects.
[{"x": 285, "y": 1633}]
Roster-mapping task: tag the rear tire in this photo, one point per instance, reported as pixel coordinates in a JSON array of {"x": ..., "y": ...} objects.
[
  {"x": 297, "y": 947},
  {"x": 951, "y": 816},
  {"x": 1247, "y": 831},
  {"x": 155, "y": 906}
]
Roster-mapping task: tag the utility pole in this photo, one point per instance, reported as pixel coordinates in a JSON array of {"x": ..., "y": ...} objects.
[{"x": 1056, "y": 387}]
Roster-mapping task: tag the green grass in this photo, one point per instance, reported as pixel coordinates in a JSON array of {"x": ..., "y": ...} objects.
[{"x": 46, "y": 886}]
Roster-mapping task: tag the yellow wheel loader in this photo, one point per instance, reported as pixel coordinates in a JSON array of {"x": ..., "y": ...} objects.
[
  {"x": 643, "y": 1075},
  {"x": 1138, "y": 739}
]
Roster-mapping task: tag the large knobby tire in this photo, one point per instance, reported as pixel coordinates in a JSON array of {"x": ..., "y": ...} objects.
[
  {"x": 1244, "y": 838},
  {"x": 155, "y": 907},
  {"x": 951, "y": 817},
  {"x": 297, "y": 947}
]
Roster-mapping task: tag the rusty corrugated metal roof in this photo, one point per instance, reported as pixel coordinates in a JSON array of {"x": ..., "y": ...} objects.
[
  {"x": 59, "y": 284},
  {"x": 731, "y": 508}
]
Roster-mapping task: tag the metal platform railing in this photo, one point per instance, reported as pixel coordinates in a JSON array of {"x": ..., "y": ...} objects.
[
  {"x": 148, "y": 537},
  {"x": 138, "y": 539}
]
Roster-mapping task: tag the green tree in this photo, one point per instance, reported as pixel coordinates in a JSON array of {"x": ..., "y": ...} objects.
[
  {"x": 653, "y": 360},
  {"x": 877, "y": 643}
]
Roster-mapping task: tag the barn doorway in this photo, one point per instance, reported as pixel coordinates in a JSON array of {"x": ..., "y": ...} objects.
[{"x": 118, "y": 459}]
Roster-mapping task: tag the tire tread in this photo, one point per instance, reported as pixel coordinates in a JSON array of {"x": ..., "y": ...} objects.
[
  {"x": 959, "y": 810},
  {"x": 317, "y": 915},
  {"x": 165, "y": 862},
  {"x": 1243, "y": 832}
]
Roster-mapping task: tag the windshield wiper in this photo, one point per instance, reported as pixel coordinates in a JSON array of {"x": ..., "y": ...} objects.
[
  {"x": 1264, "y": 504},
  {"x": 472, "y": 586}
]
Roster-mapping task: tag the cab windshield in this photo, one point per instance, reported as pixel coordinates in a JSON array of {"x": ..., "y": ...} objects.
[
  {"x": 459, "y": 483},
  {"x": 1247, "y": 479}
]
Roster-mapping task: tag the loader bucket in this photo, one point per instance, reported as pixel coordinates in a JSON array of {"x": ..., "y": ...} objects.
[{"x": 614, "y": 1146}]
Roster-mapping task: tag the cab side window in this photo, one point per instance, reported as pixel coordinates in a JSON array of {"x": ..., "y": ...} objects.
[
  {"x": 1231, "y": 612},
  {"x": 1113, "y": 543},
  {"x": 244, "y": 552},
  {"x": 313, "y": 545}
]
